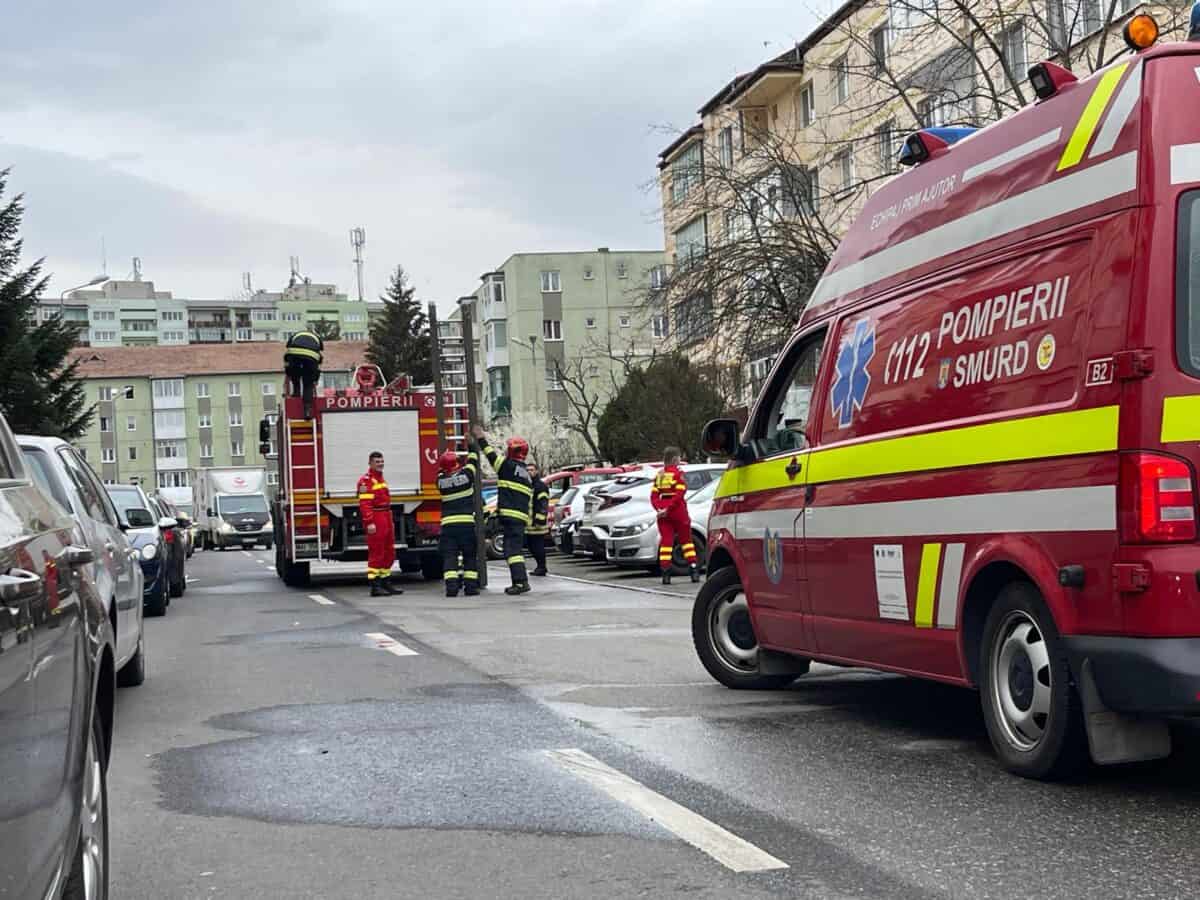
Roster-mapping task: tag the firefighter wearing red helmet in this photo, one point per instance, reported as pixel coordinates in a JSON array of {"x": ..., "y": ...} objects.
[
  {"x": 514, "y": 500},
  {"x": 456, "y": 483},
  {"x": 375, "y": 510},
  {"x": 667, "y": 496}
]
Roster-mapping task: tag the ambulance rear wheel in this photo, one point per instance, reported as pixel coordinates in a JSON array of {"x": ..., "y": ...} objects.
[
  {"x": 1031, "y": 709},
  {"x": 295, "y": 574},
  {"x": 724, "y": 635}
]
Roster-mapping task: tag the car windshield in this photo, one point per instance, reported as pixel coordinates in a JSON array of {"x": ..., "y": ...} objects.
[
  {"x": 125, "y": 499},
  {"x": 240, "y": 504}
]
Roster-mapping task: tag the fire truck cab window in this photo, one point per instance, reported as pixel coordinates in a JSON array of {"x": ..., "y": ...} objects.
[
  {"x": 1187, "y": 280},
  {"x": 782, "y": 422}
]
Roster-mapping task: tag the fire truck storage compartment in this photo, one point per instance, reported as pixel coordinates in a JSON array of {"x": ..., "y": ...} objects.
[{"x": 348, "y": 437}]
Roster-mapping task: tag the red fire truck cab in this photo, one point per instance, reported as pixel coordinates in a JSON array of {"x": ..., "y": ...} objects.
[
  {"x": 321, "y": 459},
  {"x": 976, "y": 459}
]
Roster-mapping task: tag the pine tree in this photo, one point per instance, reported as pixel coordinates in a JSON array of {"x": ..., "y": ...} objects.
[
  {"x": 326, "y": 329},
  {"x": 40, "y": 392},
  {"x": 400, "y": 337}
]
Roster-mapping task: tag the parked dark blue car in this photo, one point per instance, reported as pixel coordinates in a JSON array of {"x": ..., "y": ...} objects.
[{"x": 141, "y": 526}]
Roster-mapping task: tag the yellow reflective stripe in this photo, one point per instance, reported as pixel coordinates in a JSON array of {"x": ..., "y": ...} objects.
[
  {"x": 450, "y": 576},
  {"x": 931, "y": 558},
  {"x": 512, "y": 560},
  {"x": 1181, "y": 419},
  {"x": 1033, "y": 437},
  {"x": 514, "y": 514},
  {"x": 302, "y": 351},
  {"x": 379, "y": 486},
  {"x": 366, "y": 496},
  {"x": 1082, "y": 135},
  {"x": 687, "y": 547},
  {"x": 458, "y": 520},
  {"x": 458, "y": 495},
  {"x": 471, "y": 575},
  {"x": 515, "y": 486}
]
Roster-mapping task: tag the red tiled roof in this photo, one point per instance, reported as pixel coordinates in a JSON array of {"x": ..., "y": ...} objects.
[{"x": 197, "y": 359}]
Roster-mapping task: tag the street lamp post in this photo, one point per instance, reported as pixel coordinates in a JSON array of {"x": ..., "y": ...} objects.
[{"x": 62, "y": 298}]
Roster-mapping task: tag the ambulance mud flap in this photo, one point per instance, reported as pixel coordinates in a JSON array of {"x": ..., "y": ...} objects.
[
  {"x": 1114, "y": 737},
  {"x": 772, "y": 662}
]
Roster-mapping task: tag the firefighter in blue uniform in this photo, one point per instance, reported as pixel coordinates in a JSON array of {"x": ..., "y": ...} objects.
[
  {"x": 456, "y": 483},
  {"x": 514, "y": 498},
  {"x": 539, "y": 527},
  {"x": 302, "y": 359}
]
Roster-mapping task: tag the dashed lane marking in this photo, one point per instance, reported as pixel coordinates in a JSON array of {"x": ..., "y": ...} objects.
[
  {"x": 324, "y": 601},
  {"x": 390, "y": 644},
  {"x": 724, "y": 846}
]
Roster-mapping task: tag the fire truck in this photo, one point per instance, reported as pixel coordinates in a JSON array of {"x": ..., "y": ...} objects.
[{"x": 321, "y": 459}]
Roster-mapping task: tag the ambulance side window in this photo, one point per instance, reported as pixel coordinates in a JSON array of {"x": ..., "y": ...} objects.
[
  {"x": 783, "y": 421},
  {"x": 1187, "y": 283}
]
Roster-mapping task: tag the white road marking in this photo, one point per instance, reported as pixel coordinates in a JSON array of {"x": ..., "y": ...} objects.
[
  {"x": 247, "y": 554},
  {"x": 324, "y": 601},
  {"x": 725, "y": 847},
  {"x": 390, "y": 644},
  {"x": 617, "y": 585}
]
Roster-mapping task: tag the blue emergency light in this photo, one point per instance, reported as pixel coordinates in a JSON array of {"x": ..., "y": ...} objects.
[
  {"x": 1194, "y": 30},
  {"x": 922, "y": 145}
]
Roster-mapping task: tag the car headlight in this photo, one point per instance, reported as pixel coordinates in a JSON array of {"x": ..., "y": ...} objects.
[
  {"x": 150, "y": 551},
  {"x": 226, "y": 528}
]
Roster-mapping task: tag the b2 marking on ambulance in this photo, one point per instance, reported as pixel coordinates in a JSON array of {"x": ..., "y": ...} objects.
[
  {"x": 1099, "y": 371},
  {"x": 773, "y": 555},
  {"x": 852, "y": 380}
]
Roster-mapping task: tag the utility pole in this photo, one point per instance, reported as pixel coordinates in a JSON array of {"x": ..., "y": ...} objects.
[
  {"x": 358, "y": 240},
  {"x": 435, "y": 346},
  {"x": 467, "y": 307}
]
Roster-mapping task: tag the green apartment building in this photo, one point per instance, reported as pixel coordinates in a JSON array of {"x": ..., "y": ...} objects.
[
  {"x": 162, "y": 411},
  {"x": 542, "y": 313}
]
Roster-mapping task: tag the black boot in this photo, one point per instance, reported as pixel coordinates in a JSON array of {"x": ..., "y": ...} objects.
[
  {"x": 377, "y": 588},
  {"x": 472, "y": 591},
  {"x": 521, "y": 587},
  {"x": 666, "y": 576},
  {"x": 695, "y": 574},
  {"x": 540, "y": 570},
  {"x": 391, "y": 588}
]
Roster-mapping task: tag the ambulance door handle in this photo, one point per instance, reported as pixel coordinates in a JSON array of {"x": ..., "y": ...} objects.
[{"x": 810, "y": 492}]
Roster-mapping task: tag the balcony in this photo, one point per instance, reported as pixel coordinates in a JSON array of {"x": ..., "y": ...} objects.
[{"x": 213, "y": 335}]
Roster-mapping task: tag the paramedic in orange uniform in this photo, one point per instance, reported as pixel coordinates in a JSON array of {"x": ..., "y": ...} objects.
[
  {"x": 375, "y": 508},
  {"x": 667, "y": 496}
]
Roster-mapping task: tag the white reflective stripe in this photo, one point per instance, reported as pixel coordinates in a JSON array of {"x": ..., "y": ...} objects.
[
  {"x": 1056, "y": 509},
  {"x": 1198, "y": 73},
  {"x": 752, "y": 525},
  {"x": 1122, "y": 108},
  {"x": 1098, "y": 182},
  {"x": 1018, "y": 152},
  {"x": 1185, "y": 163},
  {"x": 952, "y": 562},
  {"x": 715, "y": 523}
]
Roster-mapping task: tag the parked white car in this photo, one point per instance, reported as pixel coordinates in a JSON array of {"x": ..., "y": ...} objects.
[
  {"x": 633, "y": 541},
  {"x": 63, "y": 476},
  {"x": 568, "y": 514},
  {"x": 619, "y": 505}
]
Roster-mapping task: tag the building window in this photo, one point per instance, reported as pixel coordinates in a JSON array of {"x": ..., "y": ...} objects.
[
  {"x": 203, "y": 421},
  {"x": 262, "y": 315},
  {"x": 168, "y": 449},
  {"x": 292, "y": 317},
  {"x": 725, "y": 146},
  {"x": 206, "y": 451},
  {"x": 132, "y": 453},
  {"x": 590, "y": 322},
  {"x": 272, "y": 476},
  {"x": 354, "y": 336},
  {"x": 245, "y": 334},
  {"x": 550, "y": 282},
  {"x": 105, "y": 424},
  {"x": 759, "y": 370},
  {"x": 237, "y": 448},
  {"x": 624, "y": 321},
  {"x": 1012, "y": 50},
  {"x": 202, "y": 389},
  {"x": 843, "y": 166},
  {"x": 687, "y": 171},
  {"x": 128, "y": 391},
  {"x": 622, "y": 269},
  {"x": 171, "y": 315},
  {"x": 552, "y": 329},
  {"x": 174, "y": 337},
  {"x": 105, "y": 335},
  {"x": 177, "y": 478},
  {"x": 235, "y": 418},
  {"x": 841, "y": 79},
  {"x": 352, "y": 317},
  {"x": 234, "y": 388},
  {"x": 658, "y": 277},
  {"x": 106, "y": 394},
  {"x": 101, "y": 315},
  {"x": 588, "y": 273},
  {"x": 693, "y": 318},
  {"x": 885, "y": 143},
  {"x": 879, "y": 48},
  {"x": 131, "y": 423},
  {"x": 108, "y": 454},
  {"x": 268, "y": 388},
  {"x": 499, "y": 333},
  {"x": 553, "y": 379},
  {"x": 167, "y": 419},
  {"x": 164, "y": 389},
  {"x": 138, "y": 325},
  {"x": 661, "y": 325},
  {"x": 691, "y": 242}
]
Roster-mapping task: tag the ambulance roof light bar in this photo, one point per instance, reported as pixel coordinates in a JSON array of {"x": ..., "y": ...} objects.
[
  {"x": 1047, "y": 79},
  {"x": 927, "y": 143}
]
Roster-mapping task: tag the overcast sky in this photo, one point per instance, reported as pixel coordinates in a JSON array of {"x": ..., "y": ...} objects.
[{"x": 211, "y": 138}]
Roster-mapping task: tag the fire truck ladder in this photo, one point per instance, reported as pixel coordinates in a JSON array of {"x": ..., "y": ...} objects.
[{"x": 305, "y": 502}]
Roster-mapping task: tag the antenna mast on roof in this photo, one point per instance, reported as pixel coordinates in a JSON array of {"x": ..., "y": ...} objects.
[
  {"x": 358, "y": 240},
  {"x": 246, "y": 285},
  {"x": 295, "y": 263}
]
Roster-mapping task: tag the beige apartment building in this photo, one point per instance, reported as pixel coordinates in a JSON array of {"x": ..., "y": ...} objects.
[{"x": 783, "y": 157}]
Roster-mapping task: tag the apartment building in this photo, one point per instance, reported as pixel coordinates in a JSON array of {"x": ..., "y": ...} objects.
[
  {"x": 162, "y": 410},
  {"x": 134, "y": 313},
  {"x": 758, "y": 191},
  {"x": 541, "y": 314}
]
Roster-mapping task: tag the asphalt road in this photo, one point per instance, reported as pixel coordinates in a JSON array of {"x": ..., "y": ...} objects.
[{"x": 567, "y": 744}]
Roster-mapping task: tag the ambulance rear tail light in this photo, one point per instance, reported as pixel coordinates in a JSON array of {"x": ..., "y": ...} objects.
[
  {"x": 1157, "y": 499},
  {"x": 1047, "y": 79}
]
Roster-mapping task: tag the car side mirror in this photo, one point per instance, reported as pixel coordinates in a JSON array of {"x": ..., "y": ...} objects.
[
  {"x": 139, "y": 517},
  {"x": 167, "y": 522},
  {"x": 720, "y": 437}
]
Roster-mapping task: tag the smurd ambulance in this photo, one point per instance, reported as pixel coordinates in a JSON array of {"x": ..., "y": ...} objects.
[{"x": 976, "y": 459}]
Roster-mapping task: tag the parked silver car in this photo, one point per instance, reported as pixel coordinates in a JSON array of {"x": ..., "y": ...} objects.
[
  {"x": 633, "y": 541},
  {"x": 58, "y": 469}
]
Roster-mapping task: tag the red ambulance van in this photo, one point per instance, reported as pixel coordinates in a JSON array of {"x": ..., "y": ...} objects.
[{"x": 976, "y": 460}]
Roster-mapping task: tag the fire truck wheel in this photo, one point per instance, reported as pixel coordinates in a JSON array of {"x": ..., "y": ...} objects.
[
  {"x": 431, "y": 567},
  {"x": 1031, "y": 709},
  {"x": 724, "y": 635},
  {"x": 295, "y": 574}
]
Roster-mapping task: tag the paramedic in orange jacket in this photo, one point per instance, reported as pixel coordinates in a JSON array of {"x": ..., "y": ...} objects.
[
  {"x": 375, "y": 508},
  {"x": 667, "y": 496}
]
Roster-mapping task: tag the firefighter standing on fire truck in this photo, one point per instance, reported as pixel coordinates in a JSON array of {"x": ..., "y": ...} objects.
[
  {"x": 514, "y": 498},
  {"x": 302, "y": 366},
  {"x": 375, "y": 508},
  {"x": 667, "y": 496},
  {"x": 456, "y": 483}
]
